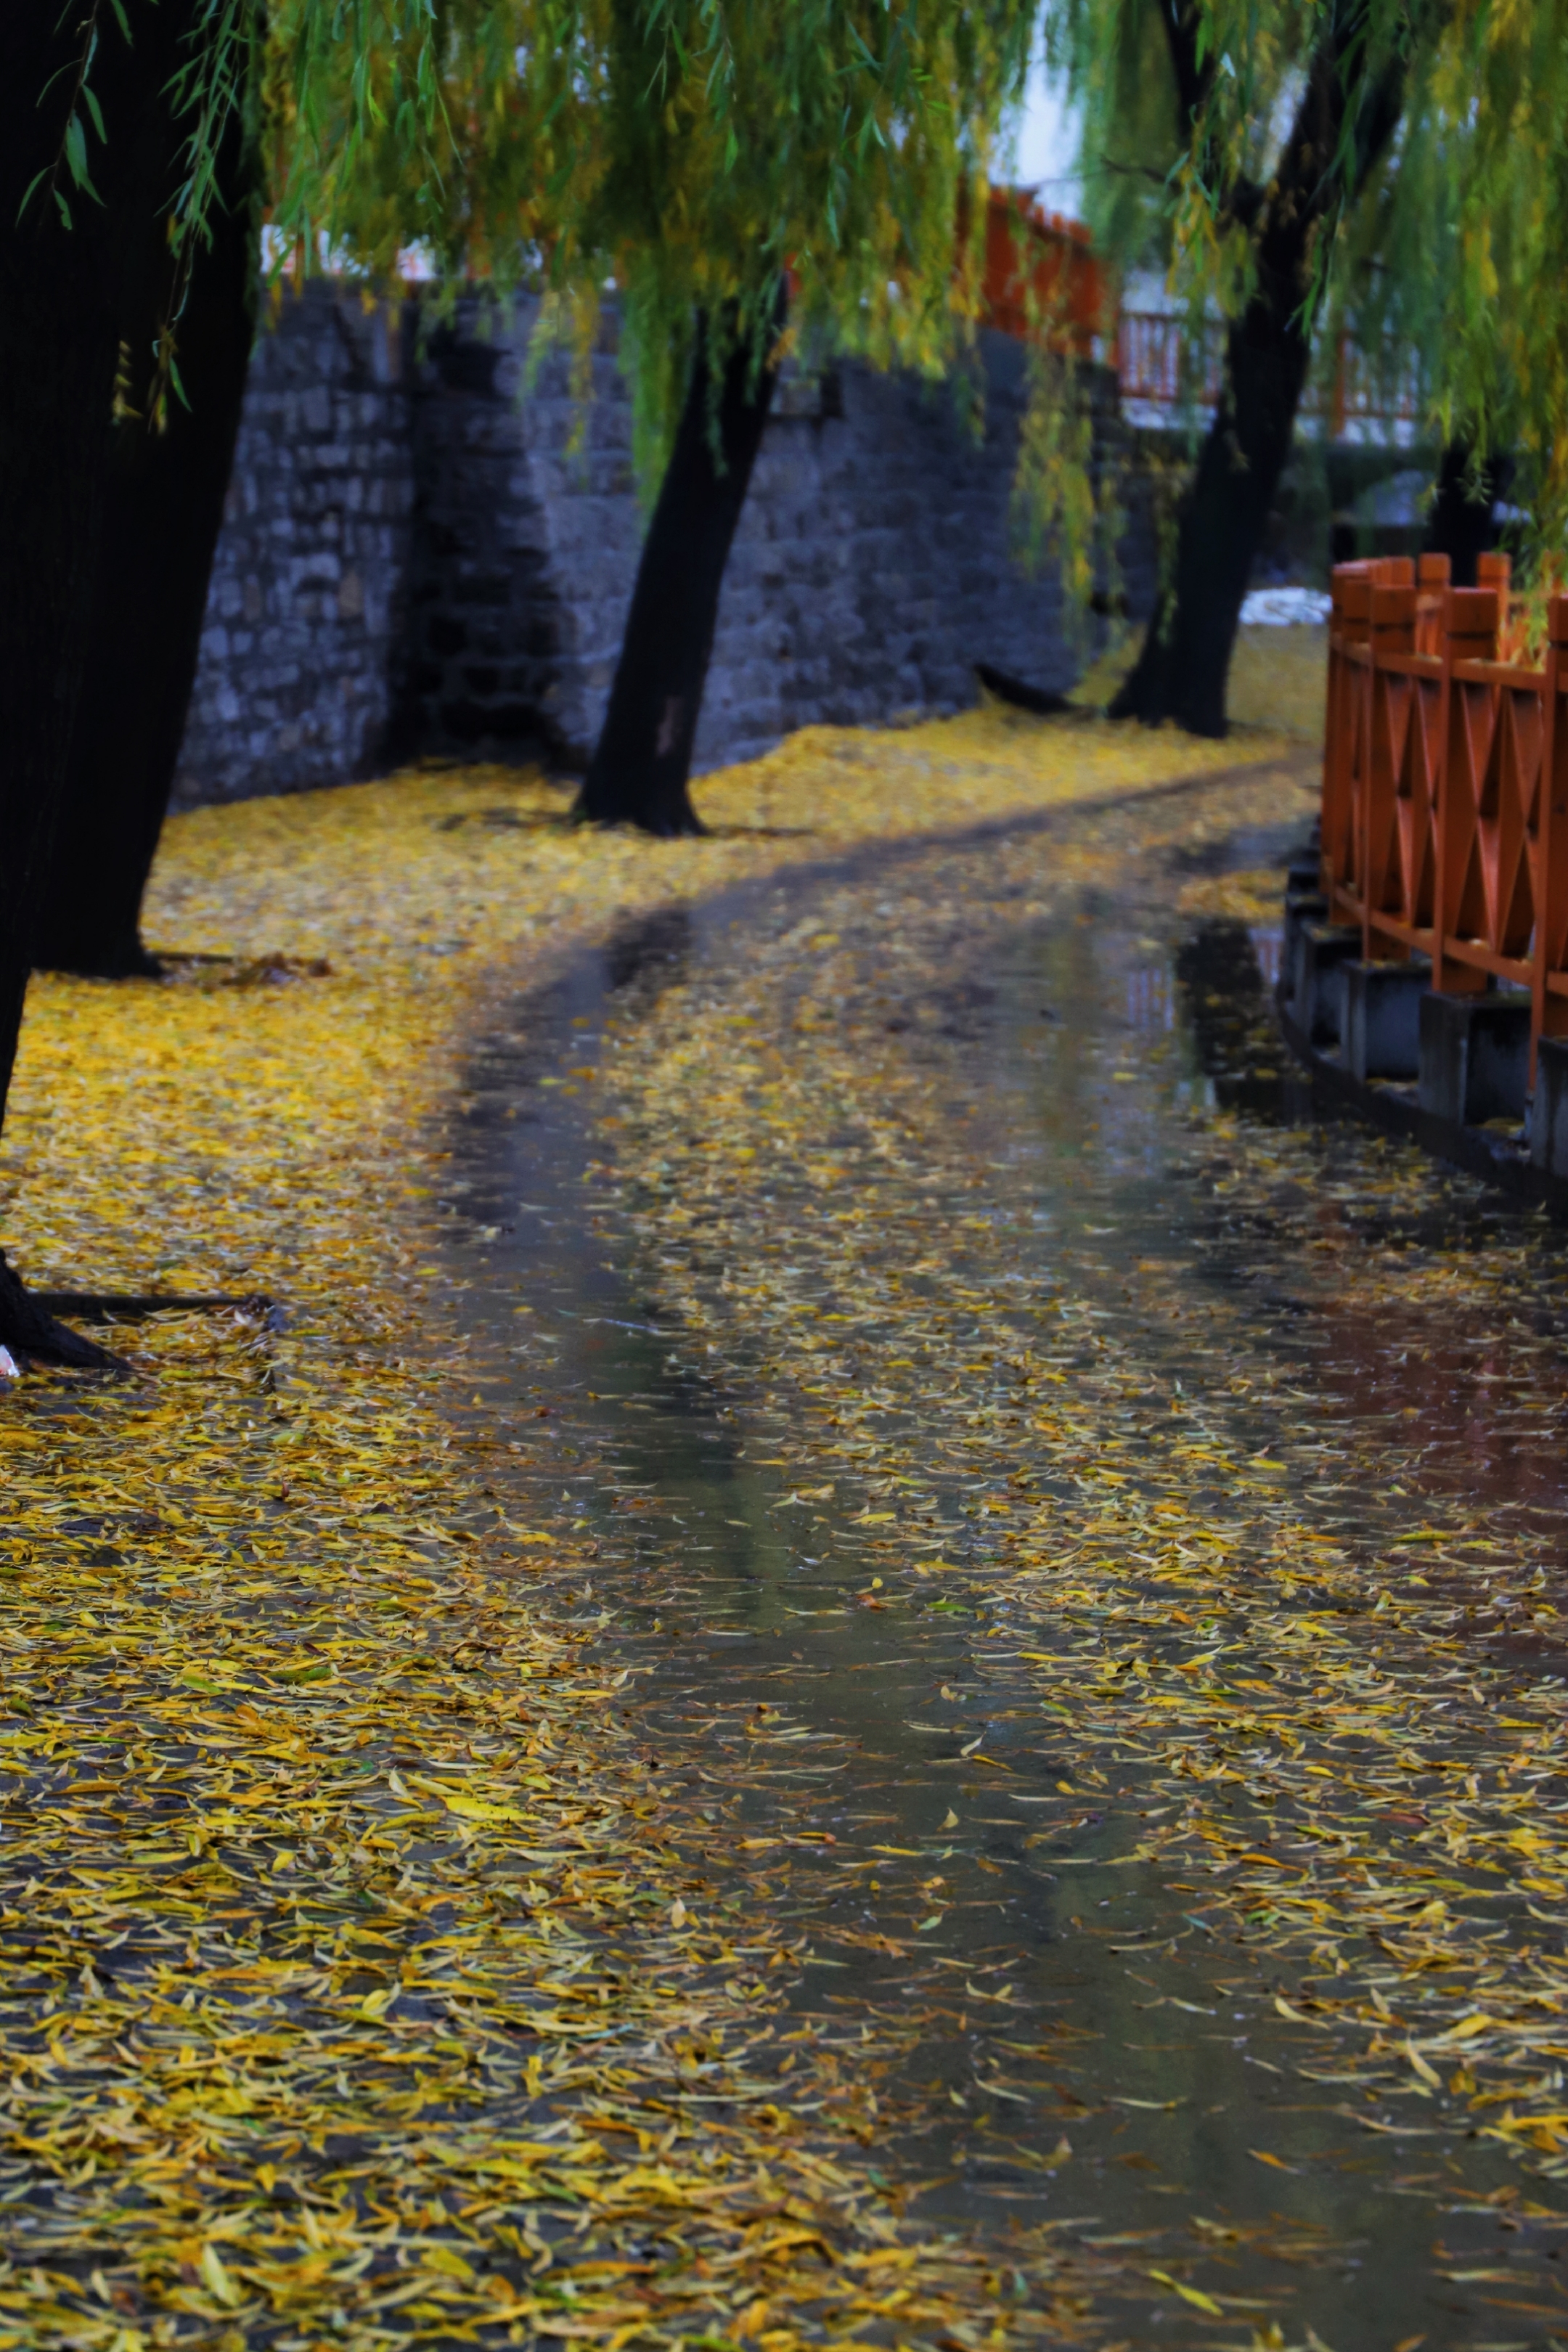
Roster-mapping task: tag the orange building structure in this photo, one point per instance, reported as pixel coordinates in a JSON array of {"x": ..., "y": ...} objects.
[{"x": 1042, "y": 276}]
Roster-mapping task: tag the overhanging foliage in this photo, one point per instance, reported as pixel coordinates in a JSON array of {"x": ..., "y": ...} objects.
[
  {"x": 1440, "y": 253},
  {"x": 685, "y": 152}
]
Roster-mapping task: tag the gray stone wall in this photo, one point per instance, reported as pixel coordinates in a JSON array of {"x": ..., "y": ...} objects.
[
  {"x": 431, "y": 551},
  {"x": 303, "y": 648},
  {"x": 872, "y": 569},
  {"x": 526, "y": 534}
]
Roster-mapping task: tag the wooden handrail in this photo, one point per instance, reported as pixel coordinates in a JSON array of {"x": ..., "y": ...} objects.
[{"x": 1445, "y": 796}]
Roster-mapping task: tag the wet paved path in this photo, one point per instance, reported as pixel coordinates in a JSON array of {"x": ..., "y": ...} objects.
[{"x": 912, "y": 1445}]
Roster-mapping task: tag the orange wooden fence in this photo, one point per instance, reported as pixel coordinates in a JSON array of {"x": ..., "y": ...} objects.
[{"x": 1445, "y": 814}]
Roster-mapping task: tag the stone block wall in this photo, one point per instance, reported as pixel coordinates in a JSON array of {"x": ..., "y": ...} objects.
[
  {"x": 431, "y": 550},
  {"x": 526, "y": 534},
  {"x": 306, "y": 622}
]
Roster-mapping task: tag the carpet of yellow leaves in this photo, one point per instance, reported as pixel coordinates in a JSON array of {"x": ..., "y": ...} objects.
[
  {"x": 1308, "y": 1602},
  {"x": 1279, "y": 677},
  {"x": 350, "y": 1958}
]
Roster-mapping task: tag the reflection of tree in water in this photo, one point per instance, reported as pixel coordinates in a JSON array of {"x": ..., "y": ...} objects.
[
  {"x": 651, "y": 953},
  {"x": 1226, "y": 1007}
]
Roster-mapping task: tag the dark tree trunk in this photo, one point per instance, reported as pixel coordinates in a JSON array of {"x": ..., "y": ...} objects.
[
  {"x": 60, "y": 326},
  {"x": 163, "y": 501},
  {"x": 642, "y": 762},
  {"x": 1461, "y": 527},
  {"x": 1182, "y": 670}
]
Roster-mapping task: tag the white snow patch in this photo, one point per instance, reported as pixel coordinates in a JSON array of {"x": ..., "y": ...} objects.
[{"x": 1283, "y": 608}]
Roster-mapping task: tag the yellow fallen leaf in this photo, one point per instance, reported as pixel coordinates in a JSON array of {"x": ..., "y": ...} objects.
[
  {"x": 476, "y": 1808},
  {"x": 447, "y": 2261},
  {"x": 1195, "y": 2295},
  {"x": 217, "y": 2279},
  {"x": 1419, "y": 2063}
]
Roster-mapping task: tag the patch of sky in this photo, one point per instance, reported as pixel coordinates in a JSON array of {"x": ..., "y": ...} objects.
[{"x": 1040, "y": 146}]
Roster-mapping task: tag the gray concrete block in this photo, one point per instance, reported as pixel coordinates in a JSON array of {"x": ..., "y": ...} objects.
[
  {"x": 1381, "y": 1034},
  {"x": 1475, "y": 1055},
  {"x": 1301, "y": 908},
  {"x": 1317, "y": 995},
  {"x": 1549, "y": 1110}
]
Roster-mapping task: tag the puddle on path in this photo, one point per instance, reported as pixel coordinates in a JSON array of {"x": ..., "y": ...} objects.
[{"x": 1068, "y": 2046}]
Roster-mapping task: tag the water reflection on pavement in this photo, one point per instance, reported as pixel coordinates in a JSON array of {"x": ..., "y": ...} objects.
[{"x": 1070, "y": 2046}]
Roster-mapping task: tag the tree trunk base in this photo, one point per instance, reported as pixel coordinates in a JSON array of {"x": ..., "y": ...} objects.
[
  {"x": 679, "y": 822},
  {"x": 1127, "y": 704},
  {"x": 34, "y": 1335}
]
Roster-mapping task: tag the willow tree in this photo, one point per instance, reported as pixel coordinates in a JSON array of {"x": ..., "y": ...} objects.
[
  {"x": 1236, "y": 140},
  {"x": 81, "y": 346},
  {"x": 1473, "y": 263},
  {"x": 1392, "y": 171},
  {"x": 185, "y": 318},
  {"x": 750, "y": 178}
]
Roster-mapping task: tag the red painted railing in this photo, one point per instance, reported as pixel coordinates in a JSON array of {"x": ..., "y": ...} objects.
[
  {"x": 1043, "y": 278},
  {"x": 1159, "y": 362},
  {"x": 1445, "y": 812},
  {"x": 1164, "y": 364}
]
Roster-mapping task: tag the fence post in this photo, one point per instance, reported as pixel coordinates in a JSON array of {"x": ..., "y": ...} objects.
[
  {"x": 1351, "y": 626},
  {"x": 1470, "y": 633},
  {"x": 1495, "y": 570},
  {"x": 1393, "y": 631},
  {"x": 1433, "y": 576},
  {"x": 1549, "y": 1013}
]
